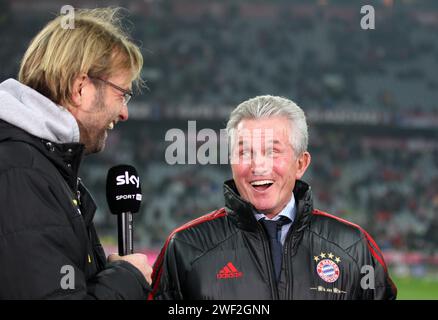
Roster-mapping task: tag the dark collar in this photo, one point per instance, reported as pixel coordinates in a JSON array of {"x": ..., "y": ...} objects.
[
  {"x": 241, "y": 212},
  {"x": 65, "y": 157}
]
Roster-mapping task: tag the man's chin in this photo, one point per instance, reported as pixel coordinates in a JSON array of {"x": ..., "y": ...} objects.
[
  {"x": 267, "y": 204},
  {"x": 263, "y": 207},
  {"x": 98, "y": 146}
]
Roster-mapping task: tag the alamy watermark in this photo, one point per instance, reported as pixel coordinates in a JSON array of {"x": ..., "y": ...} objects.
[
  {"x": 68, "y": 17},
  {"x": 68, "y": 279},
  {"x": 368, "y": 280},
  {"x": 211, "y": 147},
  {"x": 368, "y": 21}
]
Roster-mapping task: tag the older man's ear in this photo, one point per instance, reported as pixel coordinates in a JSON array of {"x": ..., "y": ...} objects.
[{"x": 303, "y": 163}]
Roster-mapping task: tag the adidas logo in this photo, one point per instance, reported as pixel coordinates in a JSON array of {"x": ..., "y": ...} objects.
[{"x": 229, "y": 271}]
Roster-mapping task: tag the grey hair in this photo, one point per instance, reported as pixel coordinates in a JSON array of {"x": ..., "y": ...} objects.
[{"x": 271, "y": 106}]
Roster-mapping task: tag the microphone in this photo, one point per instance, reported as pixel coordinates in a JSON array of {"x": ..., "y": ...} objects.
[{"x": 123, "y": 194}]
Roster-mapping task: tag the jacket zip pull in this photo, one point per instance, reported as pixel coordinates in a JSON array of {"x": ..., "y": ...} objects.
[{"x": 78, "y": 193}]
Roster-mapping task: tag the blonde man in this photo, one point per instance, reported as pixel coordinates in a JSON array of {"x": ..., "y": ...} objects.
[{"x": 74, "y": 85}]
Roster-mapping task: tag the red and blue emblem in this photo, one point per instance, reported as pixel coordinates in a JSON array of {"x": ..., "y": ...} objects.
[{"x": 328, "y": 270}]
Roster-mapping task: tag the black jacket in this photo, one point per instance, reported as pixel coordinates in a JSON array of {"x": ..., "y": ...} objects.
[
  {"x": 48, "y": 243},
  {"x": 226, "y": 255}
]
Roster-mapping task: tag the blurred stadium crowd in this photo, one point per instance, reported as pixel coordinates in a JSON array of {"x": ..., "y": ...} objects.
[{"x": 208, "y": 56}]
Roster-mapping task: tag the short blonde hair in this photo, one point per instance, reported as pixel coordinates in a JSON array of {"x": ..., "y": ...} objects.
[{"x": 97, "y": 46}]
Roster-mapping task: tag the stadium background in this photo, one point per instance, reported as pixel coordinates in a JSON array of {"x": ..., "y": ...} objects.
[{"x": 370, "y": 97}]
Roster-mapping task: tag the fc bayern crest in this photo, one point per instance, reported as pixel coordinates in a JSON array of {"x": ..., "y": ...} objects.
[{"x": 328, "y": 270}]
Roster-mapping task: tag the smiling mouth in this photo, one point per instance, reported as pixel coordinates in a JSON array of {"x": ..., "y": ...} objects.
[{"x": 262, "y": 185}]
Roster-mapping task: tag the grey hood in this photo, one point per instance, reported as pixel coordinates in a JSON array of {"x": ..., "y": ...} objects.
[{"x": 29, "y": 110}]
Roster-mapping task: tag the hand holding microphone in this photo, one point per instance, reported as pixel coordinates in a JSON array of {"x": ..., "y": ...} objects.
[
  {"x": 138, "y": 260},
  {"x": 123, "y": 193}
]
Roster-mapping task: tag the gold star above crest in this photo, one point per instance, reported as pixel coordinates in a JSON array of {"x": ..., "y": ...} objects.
[
  {"x": 322, "y": 255},
  {"x": 316, "y": 258},
  {"x": 337, "y": 260},
  {"x": 330, "y": 255}
]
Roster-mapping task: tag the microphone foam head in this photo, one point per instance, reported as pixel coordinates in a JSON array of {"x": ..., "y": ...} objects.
[{"x": 123, "y": 189}]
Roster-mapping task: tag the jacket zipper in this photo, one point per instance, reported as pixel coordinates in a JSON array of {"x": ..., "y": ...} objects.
[
  {"x": 288, "y": 264},
  {"x": 268, "y": 258}
]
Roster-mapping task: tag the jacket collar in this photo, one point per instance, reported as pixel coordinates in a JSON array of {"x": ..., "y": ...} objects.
[
  {"x": 66, "y": 157},
  {"x": 241, "y": 212}
]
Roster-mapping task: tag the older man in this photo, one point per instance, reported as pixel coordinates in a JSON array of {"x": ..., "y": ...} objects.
[
  {"x": 74, "y": 86},
  {"x": 268, "y": 242}
]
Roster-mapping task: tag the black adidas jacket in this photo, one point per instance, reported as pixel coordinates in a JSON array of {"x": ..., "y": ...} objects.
[
  {"x": 226, "y": 255},
  {"x": 46, "y": 228}
]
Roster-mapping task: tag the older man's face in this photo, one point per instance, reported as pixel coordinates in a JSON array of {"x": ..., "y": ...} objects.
[{"x": 264, "y": 164}]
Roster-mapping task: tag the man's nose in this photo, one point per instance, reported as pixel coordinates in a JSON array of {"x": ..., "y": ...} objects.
[
  {"x": 124, "y": 114},
  {"x": 261, "y": 164}
]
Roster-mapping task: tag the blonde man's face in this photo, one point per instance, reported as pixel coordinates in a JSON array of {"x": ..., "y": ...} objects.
[{"x": 101, "y": 109}]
